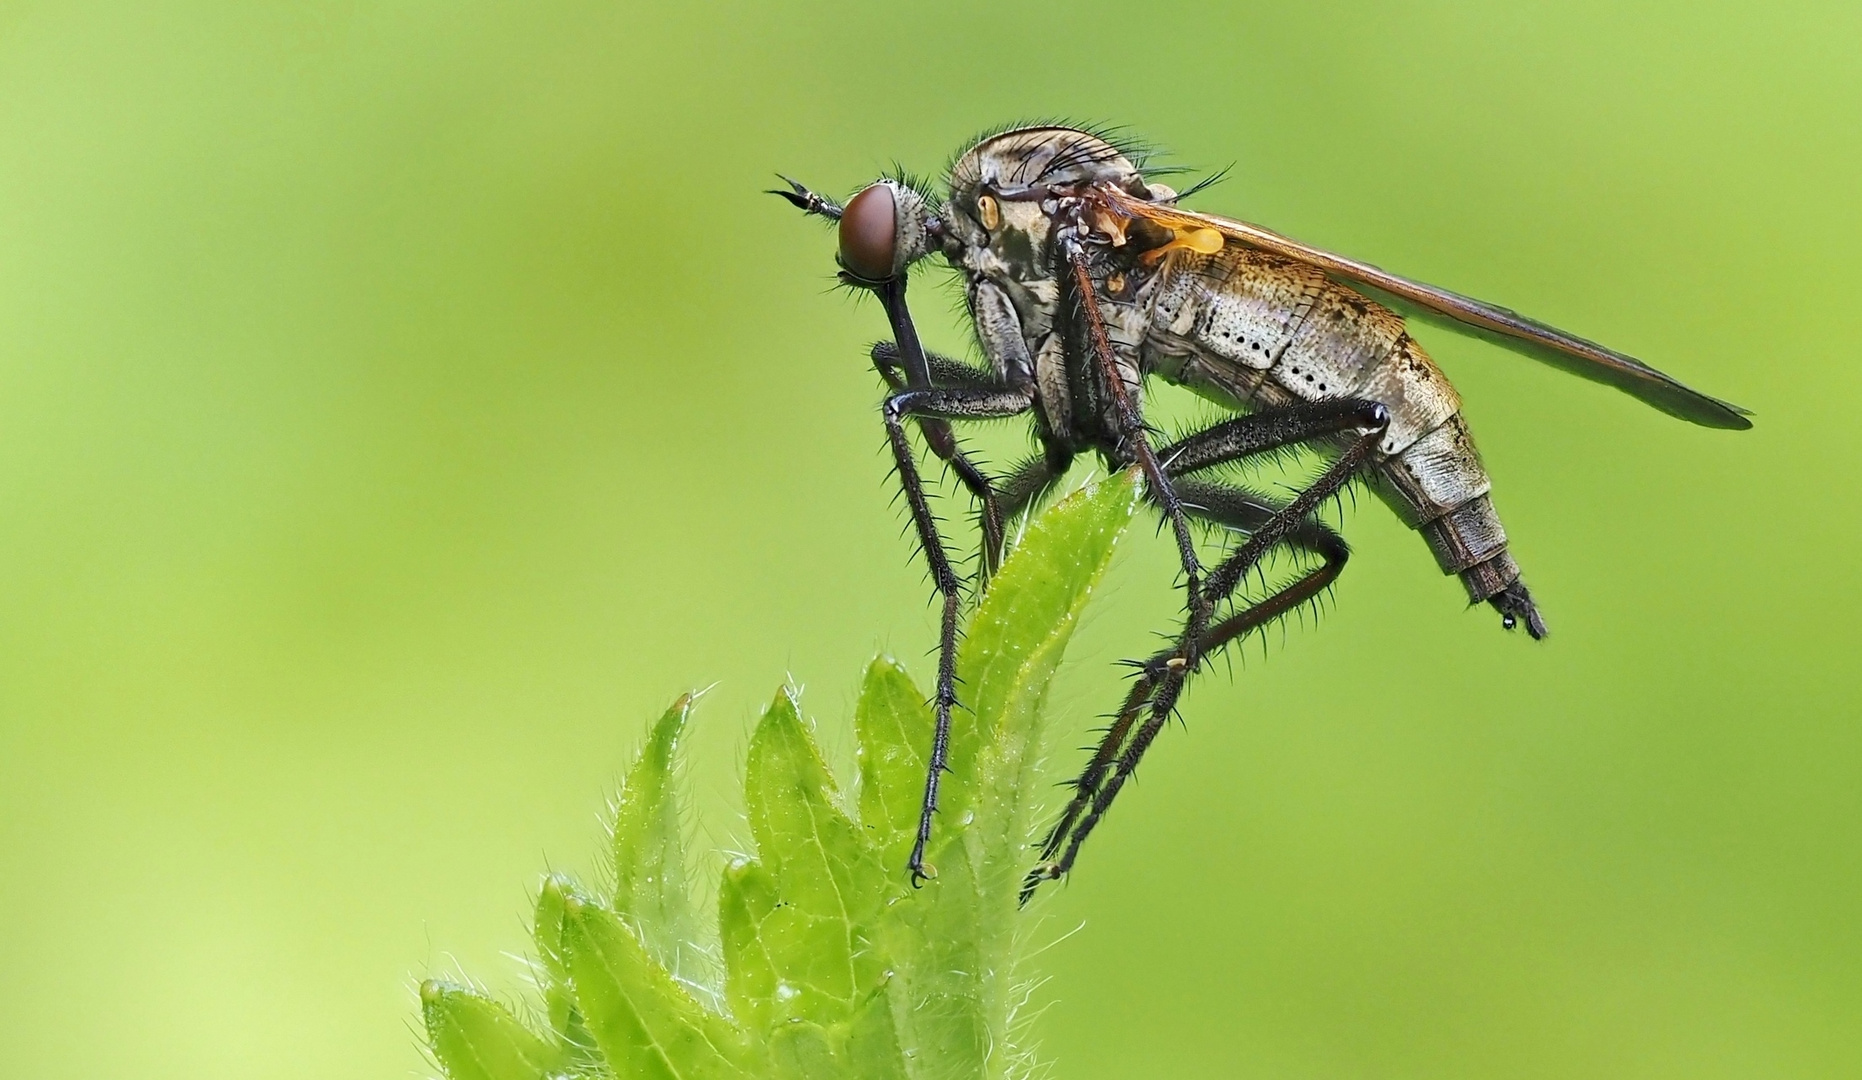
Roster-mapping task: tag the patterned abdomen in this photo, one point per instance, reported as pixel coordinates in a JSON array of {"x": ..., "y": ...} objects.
[{"x": 1266, "y": 331}]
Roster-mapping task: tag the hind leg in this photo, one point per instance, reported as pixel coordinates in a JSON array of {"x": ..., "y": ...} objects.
[
  {"x": 1161, "y": 684},
  {"x": 1233, "y": 508}
]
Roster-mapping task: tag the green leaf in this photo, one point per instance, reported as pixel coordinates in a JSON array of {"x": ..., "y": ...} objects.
[
  {"x": 873, "y": 1049},
  {"x": 746, "y": 898},
  {"x": 867, "y": 1048},
  {"x": 893, "y": 722},
  {"x": 1015, "y": 640},
  {"x": 804, "y": 1051},
  {"x": 565, "y": 1015},
  {"x": 1016, "y": 637},
  {"x": 820, "y": 939},
  {"x": 806, "y": 916},
  {"x": 651, "y": 884},
  {"x": 943, "y": 974},
  {"x": 475, "y": 1038},
  {"x": 646, "y": 1025},
  {"x": 832, "y": 968},
  {"x": 1014, "y": 644}
]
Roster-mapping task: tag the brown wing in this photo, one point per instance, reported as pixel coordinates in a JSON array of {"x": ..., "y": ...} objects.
[{"x": 1567, "y": 351}]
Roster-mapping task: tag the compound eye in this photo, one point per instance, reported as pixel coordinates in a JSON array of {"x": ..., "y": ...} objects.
[{"x": 869, "y": 233}]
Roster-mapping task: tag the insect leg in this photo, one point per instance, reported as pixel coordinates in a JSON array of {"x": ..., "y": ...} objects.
[
  {"x": 1162, "y": 682},
  {"x": 1236, "y": 509},
  {"x": 945, "y": 371},
  {"x": 1231, "y": 440},
  {"x": 1136, "y": 440},
  {"x": 949, "y": 373},
  {"x": 949, "y": 404},
  {"x": 922, "y": 399}
]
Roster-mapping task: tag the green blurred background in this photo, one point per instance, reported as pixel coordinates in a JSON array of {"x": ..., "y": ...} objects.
[{"x": 400, "y": 403}]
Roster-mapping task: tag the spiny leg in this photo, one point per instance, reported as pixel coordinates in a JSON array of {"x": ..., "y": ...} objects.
[
  {"x": 949, "y": 373},
  {"x": 1135, "y": 439},
  {"x": 1223, "y": 581},
  {"x": 954, "y": 403},
  {"x": 1163, "y": 676},
  {"x": 1236, "y": 509},
  {"x": 1233, "y": 440}
]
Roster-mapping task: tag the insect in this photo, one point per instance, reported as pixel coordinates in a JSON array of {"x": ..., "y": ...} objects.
[{"x": 1081, "y": 280}]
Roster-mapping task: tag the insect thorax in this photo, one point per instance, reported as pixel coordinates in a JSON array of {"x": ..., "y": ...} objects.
[{"x": 1005, "y": 197}]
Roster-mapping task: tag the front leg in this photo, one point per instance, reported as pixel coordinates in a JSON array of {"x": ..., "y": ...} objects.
[
  {"x": 952, "y": 374},
  {"x": 943, "y": 404}
]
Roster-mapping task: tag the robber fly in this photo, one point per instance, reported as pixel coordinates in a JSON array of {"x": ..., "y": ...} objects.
[{"x": 1081, "y": 279}]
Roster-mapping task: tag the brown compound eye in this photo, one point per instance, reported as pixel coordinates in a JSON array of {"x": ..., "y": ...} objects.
[{"x": 869, "y": 233}]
